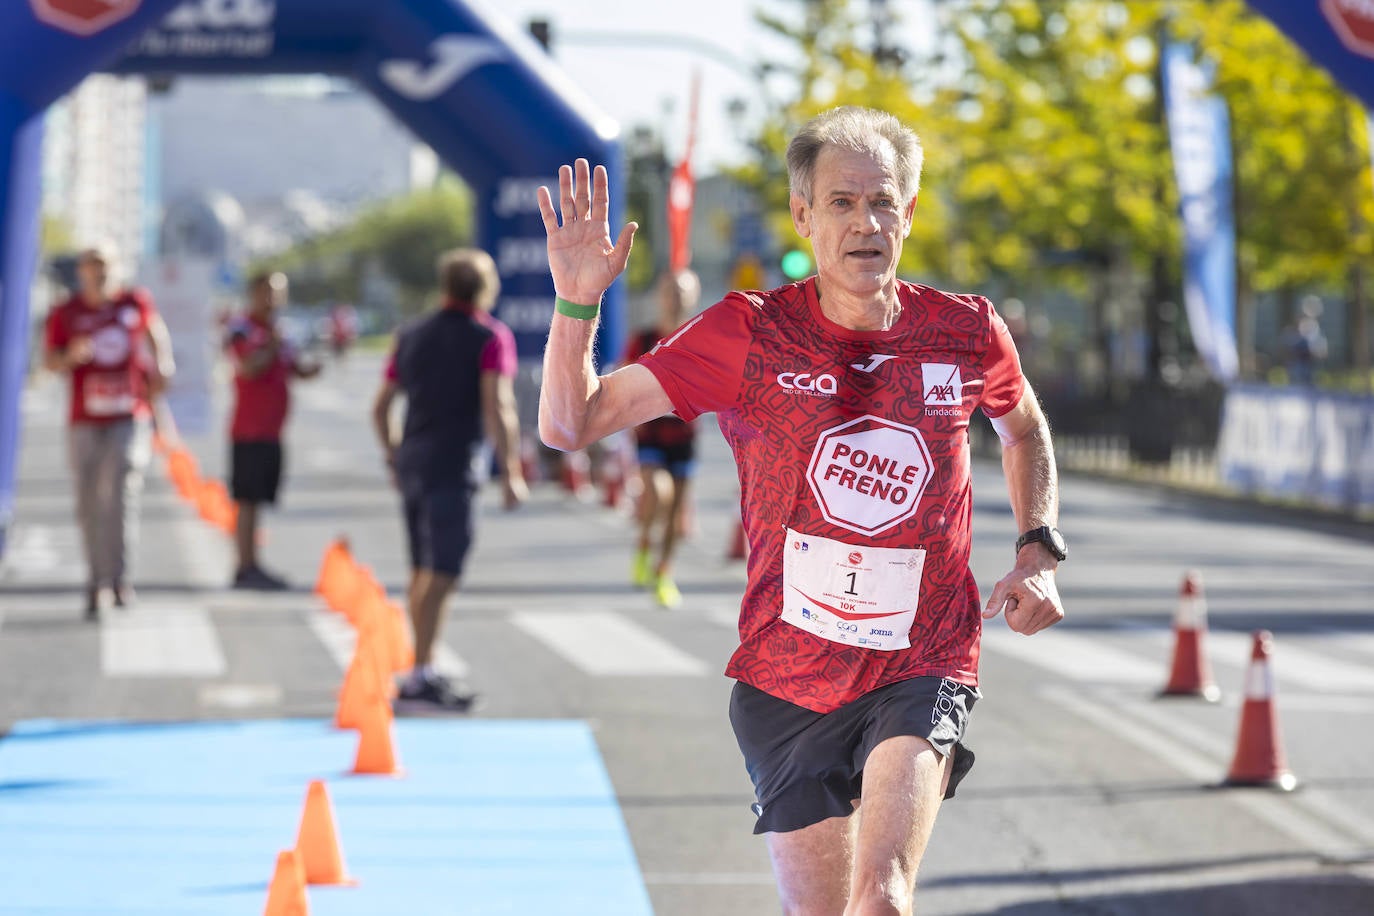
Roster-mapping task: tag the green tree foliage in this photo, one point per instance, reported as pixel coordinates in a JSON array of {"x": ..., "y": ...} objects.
[
  {"x": 1047, "y": 158},
  {"x": 402, "y": 237}
]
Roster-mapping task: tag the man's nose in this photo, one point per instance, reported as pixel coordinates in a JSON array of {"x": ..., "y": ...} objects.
[{"x": 866, "y": 220}]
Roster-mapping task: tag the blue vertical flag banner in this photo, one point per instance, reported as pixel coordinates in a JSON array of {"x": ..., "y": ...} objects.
[{"x": 1199, "y": 134}]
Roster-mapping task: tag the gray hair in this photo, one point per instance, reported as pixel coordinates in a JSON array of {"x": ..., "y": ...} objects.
[{"x": 863, "y": 130}]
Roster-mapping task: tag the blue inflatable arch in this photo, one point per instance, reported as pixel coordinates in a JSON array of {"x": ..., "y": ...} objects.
[{"x": 475, "y": 88}]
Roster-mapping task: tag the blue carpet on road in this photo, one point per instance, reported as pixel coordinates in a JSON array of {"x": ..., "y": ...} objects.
[{"x": 490, "y": 817}]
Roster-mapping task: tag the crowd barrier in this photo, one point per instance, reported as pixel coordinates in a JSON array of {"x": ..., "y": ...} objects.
[{"x": 1299, "y": 443}]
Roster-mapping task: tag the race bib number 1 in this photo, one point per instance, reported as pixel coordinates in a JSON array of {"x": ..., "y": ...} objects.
[{"x": 859, "y": 596}]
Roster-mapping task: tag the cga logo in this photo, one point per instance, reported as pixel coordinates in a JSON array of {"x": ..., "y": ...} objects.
[
  {"x": 824, "y": 384},
  {"x": 221, "y": 14}
]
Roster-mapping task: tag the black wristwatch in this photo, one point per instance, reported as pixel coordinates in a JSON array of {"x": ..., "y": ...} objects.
[{"x": 1050, "y": 537}]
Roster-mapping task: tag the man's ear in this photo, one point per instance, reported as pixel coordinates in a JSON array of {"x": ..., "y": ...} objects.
[
  {"x": 910, "y": 214},
  {"x": 801, "y": 216}
]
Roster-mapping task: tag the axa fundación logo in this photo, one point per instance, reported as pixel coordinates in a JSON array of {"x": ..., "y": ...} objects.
[{"x": 942, "y": 389}]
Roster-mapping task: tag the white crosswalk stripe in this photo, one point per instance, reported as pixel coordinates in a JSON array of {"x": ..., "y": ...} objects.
[
  {"x": 338, "y": 638},
  {"x": 607, "y": 644},
  {"x": 36, "y": 552},
  {"x": 161, "y": 641},
  {"x": 1099, "y": 658}
]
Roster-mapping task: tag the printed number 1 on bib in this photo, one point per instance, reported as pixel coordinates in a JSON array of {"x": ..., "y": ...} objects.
[{"x": 851, "y": 594}]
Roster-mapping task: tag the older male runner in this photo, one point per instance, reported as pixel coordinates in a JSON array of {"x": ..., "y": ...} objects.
[{"x": 846, "y": 399}]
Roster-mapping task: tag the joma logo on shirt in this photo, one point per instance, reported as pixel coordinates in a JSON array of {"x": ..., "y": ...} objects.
[{"x": 941, "y": 384}]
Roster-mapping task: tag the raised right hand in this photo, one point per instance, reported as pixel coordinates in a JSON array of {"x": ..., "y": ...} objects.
[{"x": 582, "y": 259}]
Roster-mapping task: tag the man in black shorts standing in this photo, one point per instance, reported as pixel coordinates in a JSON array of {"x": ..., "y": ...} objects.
[
  {"x": 455, "y": 367},
  {"x": 667, "y": 454},
  {"x": 264, "y": 365},
  {"x": 846, "y": 399}
]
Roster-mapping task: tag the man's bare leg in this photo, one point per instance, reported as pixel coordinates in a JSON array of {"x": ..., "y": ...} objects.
[
  {"x": 428, "y": 592},
  {"x": 812, "y": 866},
  {"x": 672, "y": 523},
  {"x": 246, "y": 535},
  {"x": 903, "y": 784}
]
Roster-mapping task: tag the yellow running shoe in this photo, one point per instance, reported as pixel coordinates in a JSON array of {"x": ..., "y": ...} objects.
[
  {"x": 642, "y": 570},
  {"x": 666, "y": 593}
]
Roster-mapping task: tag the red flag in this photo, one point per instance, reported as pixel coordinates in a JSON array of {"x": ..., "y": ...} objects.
[{"x": 682, "y": 194}]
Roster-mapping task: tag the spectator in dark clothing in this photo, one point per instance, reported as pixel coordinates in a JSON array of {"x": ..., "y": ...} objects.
[{"x": 455, "y": 367}]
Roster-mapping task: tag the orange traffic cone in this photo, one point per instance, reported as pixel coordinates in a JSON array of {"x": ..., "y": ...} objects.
[
  {"x": 364, "y": 685},
  {"x": 335, "y": 558},
  {"x": 1190, "y": 675},
  {"x": 1259, "y": 759},
  {"x": 376, "y": 751},
  {"x": 181, "y": 467},
  {"x": 739, "y": 548},
  {"x": 317, "y": 842},
  {"x": 286, "y": 894}
]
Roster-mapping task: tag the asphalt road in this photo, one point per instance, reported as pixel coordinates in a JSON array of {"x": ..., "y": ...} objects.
[{"x": 1089, "y": 796}]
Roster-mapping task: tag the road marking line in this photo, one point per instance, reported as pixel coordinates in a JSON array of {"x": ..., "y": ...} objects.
[
  {"x": 160, "y": 642},
  {"x": 1080, "y": 658},
  {"x": 1294, "y": 816},
  {"x": 603, "y": 643},
  {"x": 339, "y": 638},
  {"x": 1094, "y": 659},
  {"x": 240, "y": 696},
  {"x": 1293, "y": 663}
]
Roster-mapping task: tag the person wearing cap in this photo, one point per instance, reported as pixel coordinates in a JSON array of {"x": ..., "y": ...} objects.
[{"x": 115, "y": 350}]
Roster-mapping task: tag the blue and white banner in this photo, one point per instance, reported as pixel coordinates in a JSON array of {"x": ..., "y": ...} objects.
[
  {"x": 1299, "y": 443},
  {"x": 1199, "y": 134}
]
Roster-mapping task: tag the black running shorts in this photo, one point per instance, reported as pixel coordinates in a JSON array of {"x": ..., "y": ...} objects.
[
  {"x": 255, "y": 471},
  {"x": 438, "y": 526},
  {"x": 808, "y": 766}
]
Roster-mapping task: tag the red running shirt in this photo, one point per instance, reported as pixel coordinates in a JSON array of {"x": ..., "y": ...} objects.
[
  {"x": 262, "y": 402},
  {"x": 792, "y": 389},
  {"x": 660, "y": 432},
  {"x": 113, "y": 385}
]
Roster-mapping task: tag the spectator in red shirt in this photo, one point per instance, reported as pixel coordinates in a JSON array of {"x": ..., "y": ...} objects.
[
  {"x": 115, "y": 348},
  {"x": 455, "y": 367},
  {"x": 264, "y": 365}
]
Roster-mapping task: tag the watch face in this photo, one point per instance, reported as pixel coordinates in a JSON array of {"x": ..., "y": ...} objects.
[{"x": 1057, "y": 540}]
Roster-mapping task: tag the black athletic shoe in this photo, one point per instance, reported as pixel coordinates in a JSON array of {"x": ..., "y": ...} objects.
[
  {"x": 433, "y": 696},
  {"x": 257, "y": 579},
  {"x": 92, "y": 604}
]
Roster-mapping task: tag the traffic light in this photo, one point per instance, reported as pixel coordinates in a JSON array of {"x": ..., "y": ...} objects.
[{"x": 796, "y": 264}]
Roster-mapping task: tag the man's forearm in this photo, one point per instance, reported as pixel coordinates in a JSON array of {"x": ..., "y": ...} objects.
[
  {"x": 508, "y": 443},
  {"x": 570, "y": 384},
  {"x": 1032, "y": 479}
]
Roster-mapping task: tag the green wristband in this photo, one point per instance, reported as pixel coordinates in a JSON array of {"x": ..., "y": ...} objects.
[{"x": 573, "y": 310}]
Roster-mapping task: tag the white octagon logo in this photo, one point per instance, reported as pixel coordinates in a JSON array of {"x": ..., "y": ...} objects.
[{"x": 869, "y": 474}]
